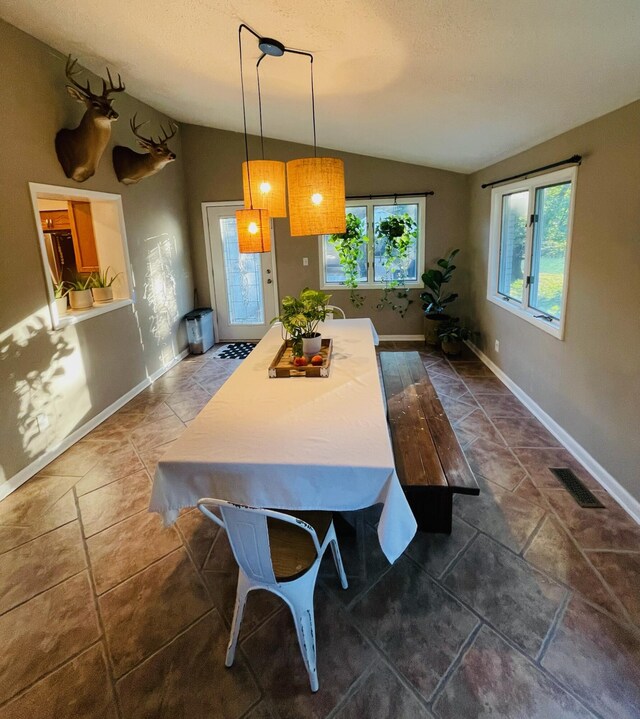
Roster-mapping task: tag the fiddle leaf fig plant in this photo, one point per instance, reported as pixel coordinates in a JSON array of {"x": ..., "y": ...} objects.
[
  {"x": 398, "y": 233},
  {"x": 349, "y": 246},
  {"x": 435, "y": 297}
]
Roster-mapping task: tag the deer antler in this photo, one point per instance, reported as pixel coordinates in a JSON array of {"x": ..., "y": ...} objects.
[
  {"x": 112, "y": 88},
  {"x": 135, "y": 127},
  {"x": 71, "y": 71},
  {"x": 172, "y": 127}
]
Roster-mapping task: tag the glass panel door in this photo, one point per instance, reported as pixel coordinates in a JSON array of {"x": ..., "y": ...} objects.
[{"x": 243, "y": 282}]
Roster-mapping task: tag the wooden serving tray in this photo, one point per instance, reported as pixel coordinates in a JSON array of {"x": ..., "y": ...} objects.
[{"x": 282, "y": 365}]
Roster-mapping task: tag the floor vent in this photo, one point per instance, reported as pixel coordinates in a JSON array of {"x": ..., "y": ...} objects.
[{"x": 576, "y": 488}]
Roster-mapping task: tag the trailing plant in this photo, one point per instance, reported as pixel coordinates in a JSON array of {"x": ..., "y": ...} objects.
[
  {"x": 398, "y": 233},
  {"x": 103, "y": 280},
  {"x": 60, "y": 289},
  {"x": 300, "y": 316},
  {"x": 435, "y": 297},
  {"x": 396, "y": 298},
  {"x": 349, "y": 246},
  {"x": 79, "y": 283}
]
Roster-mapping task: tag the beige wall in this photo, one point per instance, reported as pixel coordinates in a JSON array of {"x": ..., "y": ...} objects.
[
  {"x": 590, "y": 382},
  {"x": 213, "y": 159},
  {"x": 74, "y": 373}
]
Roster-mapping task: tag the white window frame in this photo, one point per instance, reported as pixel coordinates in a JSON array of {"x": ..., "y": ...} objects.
[
  {"x": 125, "y": 287},
  {"x": 369, "y": 231},
  {"x": 524, "y": 310}
]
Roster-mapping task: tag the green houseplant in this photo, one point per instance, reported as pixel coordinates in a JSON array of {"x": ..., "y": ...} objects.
[
  {"x": 436, "y": 297},
  {"x": 101, "y": 285},
  {"x": 300, "y": 317},
  {"x": 80, "y": 297},
  {"x": 395, "y": 234},
  {"x": 60, "y": 292},
  {"x": 451, "y": 336},
  {"x": 349, "y": 247}
]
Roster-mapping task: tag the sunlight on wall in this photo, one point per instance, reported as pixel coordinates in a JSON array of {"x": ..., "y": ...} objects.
[
  {"x": 160, "y": 293},
  {"x": 43, "y": 394}
]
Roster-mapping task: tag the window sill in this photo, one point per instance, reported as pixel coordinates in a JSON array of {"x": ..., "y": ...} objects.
[
  {"x": 554, "y": 328},
  {"x": 369, "y": 286},
  {"x": 72, "y": 317}
]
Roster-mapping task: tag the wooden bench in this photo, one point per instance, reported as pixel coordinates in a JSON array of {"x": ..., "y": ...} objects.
[{"x": 429, "y": 462}]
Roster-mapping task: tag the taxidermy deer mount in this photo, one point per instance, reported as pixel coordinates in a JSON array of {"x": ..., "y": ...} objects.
[
  {"x": 131, "y": 167},
  {"x": 79, "y": 151}
]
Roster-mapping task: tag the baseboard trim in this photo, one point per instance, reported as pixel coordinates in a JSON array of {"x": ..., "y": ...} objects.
[
  {"x": 44, "y": 459},
  {"x": 622, "y": 496},
  {"x": 401, "y": 338}
]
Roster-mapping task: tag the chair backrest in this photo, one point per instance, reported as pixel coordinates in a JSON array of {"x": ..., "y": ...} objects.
[
  {"x": 333, "y": 310},
  {"x": 248, "y": 534}
]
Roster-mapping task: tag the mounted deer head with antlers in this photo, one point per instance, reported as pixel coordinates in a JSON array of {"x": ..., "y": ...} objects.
[
  {"x": 79, "y": 151},
  {"x": 131, "y": 167}
]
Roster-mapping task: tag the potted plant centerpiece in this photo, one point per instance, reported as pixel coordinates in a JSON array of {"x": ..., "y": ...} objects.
[
  {"x": 451, "y": 336},
  {"x": 101, "y": 286},
  {"x": 435, "y": 298},
  {"x": 80, "y": 297},
  {"x": 300, "y": 317},
  {"x": 60, "y": 293}
]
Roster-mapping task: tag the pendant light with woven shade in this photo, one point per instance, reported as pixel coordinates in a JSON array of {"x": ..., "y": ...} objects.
[
  {"x": 316, "y": 189},
  {"x": 252, "y": 223}
]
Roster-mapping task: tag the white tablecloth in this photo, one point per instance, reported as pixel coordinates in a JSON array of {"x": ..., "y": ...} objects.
[{"x": 294, "y": 443}]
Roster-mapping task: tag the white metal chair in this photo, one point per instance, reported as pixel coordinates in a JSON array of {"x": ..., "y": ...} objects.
[
  {"x": 280, "y": 553},
  {"x": 333, "y": 309}
]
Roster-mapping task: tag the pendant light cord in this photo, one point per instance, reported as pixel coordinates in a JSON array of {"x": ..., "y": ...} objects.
[
  {"x": 244, "y": 117},
  {"x": 261, "y": 58}
]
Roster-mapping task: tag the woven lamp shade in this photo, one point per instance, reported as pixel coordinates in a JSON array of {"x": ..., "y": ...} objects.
[
  {"x": 268, "y": 186},
  {"x": 254, "y": 230},
  {"x": 316, "y": 196}
]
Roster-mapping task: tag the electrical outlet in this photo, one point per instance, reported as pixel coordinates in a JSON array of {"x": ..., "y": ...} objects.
[
  {"x": 497, "y": 345},
  {"x": 305, "y": 262},
  {"x": 43, "y": 422}
]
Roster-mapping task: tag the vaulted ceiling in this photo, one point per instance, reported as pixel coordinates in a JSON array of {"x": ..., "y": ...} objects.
[{"x": 456, "y": 84}]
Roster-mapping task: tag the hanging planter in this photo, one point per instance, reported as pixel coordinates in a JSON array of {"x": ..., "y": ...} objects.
[
  {"x": 398, "y": 233},
  {"x": 349, "y": 246}
]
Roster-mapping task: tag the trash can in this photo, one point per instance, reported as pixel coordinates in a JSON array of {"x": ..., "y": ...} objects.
[{"x": 199, "y": 330}]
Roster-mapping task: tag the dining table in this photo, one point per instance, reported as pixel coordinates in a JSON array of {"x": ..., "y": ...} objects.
[{"x": 294, "y": 443}]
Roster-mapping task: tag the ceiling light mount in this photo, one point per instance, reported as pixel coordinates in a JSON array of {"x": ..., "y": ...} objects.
[{"x": 272, "y": 47}]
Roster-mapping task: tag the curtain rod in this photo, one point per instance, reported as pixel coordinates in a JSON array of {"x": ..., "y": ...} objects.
[
  {"x": 395, "y": 195},
  {"x": 574, "y": 160}
]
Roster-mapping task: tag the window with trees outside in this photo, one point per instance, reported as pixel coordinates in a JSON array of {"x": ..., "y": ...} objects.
[
  {"x": 529, "y": 251},
  {"x": 376, "y": 266}
]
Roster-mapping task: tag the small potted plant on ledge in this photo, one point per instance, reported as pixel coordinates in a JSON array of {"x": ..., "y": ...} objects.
[
  {"x": 60, "y": 293},
  {"x": 435, "y": 298},
  {"x": 80, "y": 297},
  {"x": 300, "y": 317},
  {"x": 101, "y": 286},
  {"x": 451, "y": 336}
]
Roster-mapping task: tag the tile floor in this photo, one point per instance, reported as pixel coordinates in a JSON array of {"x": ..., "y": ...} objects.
[{"x": 529, "y": 610}]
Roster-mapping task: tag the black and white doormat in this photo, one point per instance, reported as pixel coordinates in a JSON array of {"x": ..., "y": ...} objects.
[{"x": 235, "y": 350}]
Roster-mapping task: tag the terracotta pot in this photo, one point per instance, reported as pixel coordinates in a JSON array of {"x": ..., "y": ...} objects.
[
  {"x": 452, "y": 347},
  {"x": 80, "y": 299},
  {"x": 432, "y": 324},
  {"x": 61, "y": 306},
  {"x": 311, "y": 345},
  {"x": 102, "y": 294}
]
